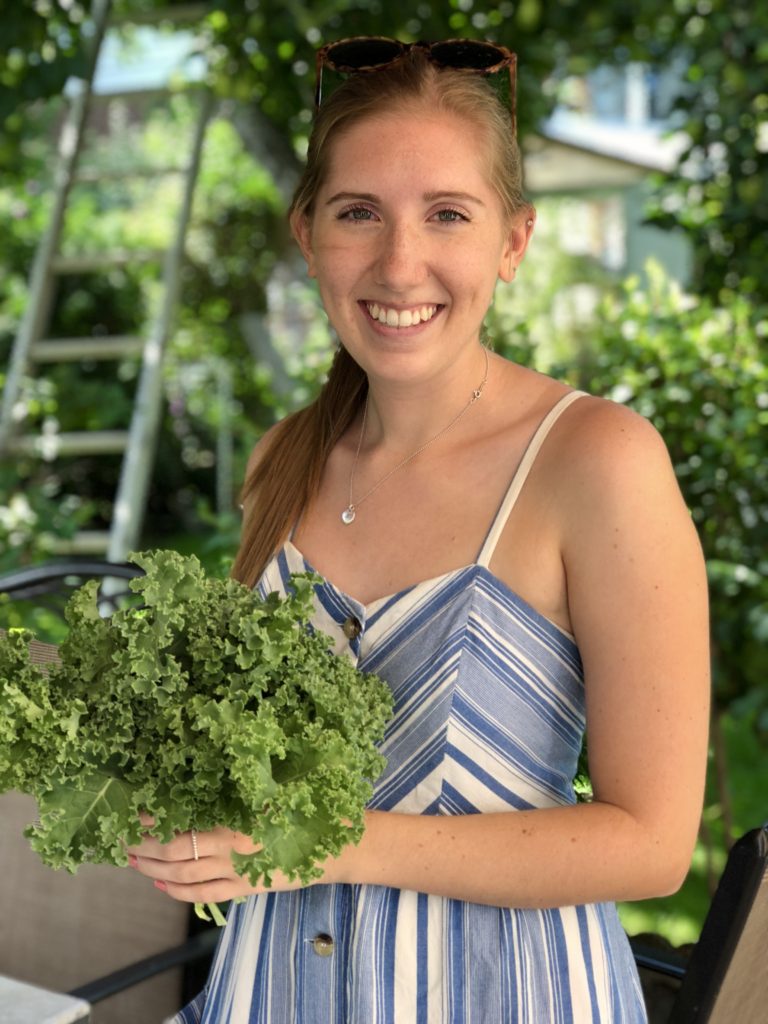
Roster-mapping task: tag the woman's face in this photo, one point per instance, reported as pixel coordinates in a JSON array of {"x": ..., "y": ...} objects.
[{"x": 407, "y": 239}]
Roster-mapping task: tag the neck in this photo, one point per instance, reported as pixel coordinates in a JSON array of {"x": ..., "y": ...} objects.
[
  {"x": 349, "y": 514},
  {"x": 401, "y": 416}
]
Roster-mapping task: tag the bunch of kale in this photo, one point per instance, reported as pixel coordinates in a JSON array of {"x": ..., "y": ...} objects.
[{"x": 204, "y": 706}]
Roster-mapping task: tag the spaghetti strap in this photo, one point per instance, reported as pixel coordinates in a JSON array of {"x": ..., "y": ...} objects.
[{"x": 521, "y": 475}]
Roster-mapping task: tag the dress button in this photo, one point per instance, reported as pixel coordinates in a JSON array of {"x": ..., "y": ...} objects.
[
  {"x": 351, "y": 627},
  {"x": 322, "y": 944}
]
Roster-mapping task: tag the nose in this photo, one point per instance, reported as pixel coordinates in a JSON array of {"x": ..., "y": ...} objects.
[{"x": 401, "y": 260}]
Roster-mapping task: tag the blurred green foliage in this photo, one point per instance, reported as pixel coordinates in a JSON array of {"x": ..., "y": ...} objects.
[
  {"x": 698, "y": 373},
  {"x": 42, "y": 45},
  {"x": 261, "y": 55},
  {"x": 719, "y": 195}
]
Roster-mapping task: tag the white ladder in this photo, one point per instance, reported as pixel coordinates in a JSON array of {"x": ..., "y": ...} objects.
[{"x": 31, "y": 350}]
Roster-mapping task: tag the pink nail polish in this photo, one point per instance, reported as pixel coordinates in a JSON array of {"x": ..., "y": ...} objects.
[
  {"x": 160, "y": 885},
  {"x": 133, "y": 862}
]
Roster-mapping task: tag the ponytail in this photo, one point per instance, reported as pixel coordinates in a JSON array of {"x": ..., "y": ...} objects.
[{"x": 286, "y": 478}]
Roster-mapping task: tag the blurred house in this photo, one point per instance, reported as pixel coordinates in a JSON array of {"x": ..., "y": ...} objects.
[{"x": 597, "y": 154}]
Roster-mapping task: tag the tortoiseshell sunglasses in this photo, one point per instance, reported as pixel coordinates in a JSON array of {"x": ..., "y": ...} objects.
[{"x": 372, "y": 53}]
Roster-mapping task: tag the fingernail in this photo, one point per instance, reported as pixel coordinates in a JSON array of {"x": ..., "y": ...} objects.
[
  {"x": 133, "y": 862},
  {"x": 160, "y": 885}
]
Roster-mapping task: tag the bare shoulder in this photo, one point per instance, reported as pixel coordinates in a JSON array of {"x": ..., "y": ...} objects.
[
  {"x": 601, "y": 523},
  {"x": 612, "y": 482},
  {"x": 604, "y": 429},
  {"x": 624, "y": 517},
  {"x": 592, "y": 433},
  {"x": 602, "y": 448}
]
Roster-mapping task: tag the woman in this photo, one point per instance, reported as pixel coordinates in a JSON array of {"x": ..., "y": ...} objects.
[{"x": 514, "y": 558}]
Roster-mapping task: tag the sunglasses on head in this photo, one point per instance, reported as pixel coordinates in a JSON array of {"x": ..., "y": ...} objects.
[{"x": 372, "y": 53}]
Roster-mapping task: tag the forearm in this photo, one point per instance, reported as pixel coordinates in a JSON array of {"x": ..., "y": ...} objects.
[{"x": 541, "y": 858}]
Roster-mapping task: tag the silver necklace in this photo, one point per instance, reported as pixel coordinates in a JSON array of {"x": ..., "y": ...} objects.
[{"x": 349, "y": 513}]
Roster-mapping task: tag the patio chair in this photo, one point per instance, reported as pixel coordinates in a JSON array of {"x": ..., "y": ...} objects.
[{"x": 724, "y": 980}]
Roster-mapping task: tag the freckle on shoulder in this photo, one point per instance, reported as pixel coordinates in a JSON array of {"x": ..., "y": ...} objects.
[
  {"x": 603, "y": 452},
  {"x": 605, "y": 429}
]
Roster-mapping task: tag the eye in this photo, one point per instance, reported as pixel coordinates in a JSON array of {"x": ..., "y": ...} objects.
[
  {"x": 450, "y": 216},
  {"x": 356, "y": 214}
]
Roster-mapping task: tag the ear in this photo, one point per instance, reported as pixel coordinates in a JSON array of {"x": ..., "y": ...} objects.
[
  {"x": 518, "y": 237},
  {"x": 302, "y": 232}
]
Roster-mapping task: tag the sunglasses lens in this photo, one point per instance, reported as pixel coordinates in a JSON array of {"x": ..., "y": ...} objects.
[
  {"x": 359, "y": 54},
  {"x": 465, "y": 53}
]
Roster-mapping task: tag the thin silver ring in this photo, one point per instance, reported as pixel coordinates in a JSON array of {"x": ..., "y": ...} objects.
[{"x": 193, "y": 837}]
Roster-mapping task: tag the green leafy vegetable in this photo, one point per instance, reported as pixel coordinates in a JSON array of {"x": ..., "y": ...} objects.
[{"x": 206, "y": 706}]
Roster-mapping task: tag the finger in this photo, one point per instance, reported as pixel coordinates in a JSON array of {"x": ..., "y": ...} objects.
[
  {"x": 181, "y": 847},
  {"x": 217, "y": 890},
  {"x": 151, "y": 847},
  {"x": 184, "y": 872}
]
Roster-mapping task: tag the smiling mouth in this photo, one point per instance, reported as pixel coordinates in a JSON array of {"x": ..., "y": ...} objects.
[{"x": 401, "y": 317}]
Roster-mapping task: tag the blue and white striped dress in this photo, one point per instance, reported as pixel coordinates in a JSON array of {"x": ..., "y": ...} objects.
[{"x": 489, "y": 716}]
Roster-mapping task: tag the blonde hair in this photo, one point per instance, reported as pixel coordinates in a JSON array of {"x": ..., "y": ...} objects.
[
  {"x": 287, "y": 475},
  {"x": 414, "y": 80}
]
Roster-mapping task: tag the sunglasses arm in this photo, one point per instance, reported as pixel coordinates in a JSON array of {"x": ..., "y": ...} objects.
[
  {"x": 513, "y": 95},
  {"x": 319, "y": 65}
]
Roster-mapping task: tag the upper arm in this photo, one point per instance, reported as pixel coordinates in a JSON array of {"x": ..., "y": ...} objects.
[{"x": 637, "y": 596}]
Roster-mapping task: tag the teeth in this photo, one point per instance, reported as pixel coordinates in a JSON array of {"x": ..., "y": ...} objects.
[{"x": 403, "y": 318}]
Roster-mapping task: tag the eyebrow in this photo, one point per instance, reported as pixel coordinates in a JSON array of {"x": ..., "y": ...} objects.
[
  {"x": 431, "y": 197},
  {"x": 344, "y": 197},
  {"x": 428, "y": 197}
]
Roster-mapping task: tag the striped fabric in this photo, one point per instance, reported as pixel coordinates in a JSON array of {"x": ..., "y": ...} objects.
[{"x": 489, "y": 716}]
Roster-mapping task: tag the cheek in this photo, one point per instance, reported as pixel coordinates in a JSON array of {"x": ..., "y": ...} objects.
[
  {"x": 334, "y": 297},
  {"x": 336, "y": 269},
  {"x": 479, "y": 276}
]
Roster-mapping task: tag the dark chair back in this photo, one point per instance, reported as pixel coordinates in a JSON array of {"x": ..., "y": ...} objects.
[
  {"x": 50, "y": 586},
  {"x": 723, "y": 979},
  {"x": 726, "y": 980}
]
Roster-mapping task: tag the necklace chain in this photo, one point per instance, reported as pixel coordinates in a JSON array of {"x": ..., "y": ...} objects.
[{"x": 349, "y": 513}]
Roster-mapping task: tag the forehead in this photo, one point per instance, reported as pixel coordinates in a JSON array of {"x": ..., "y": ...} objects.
[{"x": 415, "y": 145}]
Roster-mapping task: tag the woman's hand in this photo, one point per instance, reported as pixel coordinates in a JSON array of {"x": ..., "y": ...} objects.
[{"x": 209, "y": 878}]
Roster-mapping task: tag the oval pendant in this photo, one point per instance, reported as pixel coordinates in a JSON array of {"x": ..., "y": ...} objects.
[{"x": 348, "y": 516}]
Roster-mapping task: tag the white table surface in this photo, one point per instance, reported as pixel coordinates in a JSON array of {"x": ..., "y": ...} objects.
[{"x": 21, "y": 1003}]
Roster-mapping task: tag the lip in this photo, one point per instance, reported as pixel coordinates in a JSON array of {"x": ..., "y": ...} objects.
[{"x": 399, "y": 331}]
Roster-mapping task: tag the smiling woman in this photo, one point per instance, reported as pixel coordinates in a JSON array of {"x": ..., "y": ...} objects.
[{"x": 522, "y": 566}]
